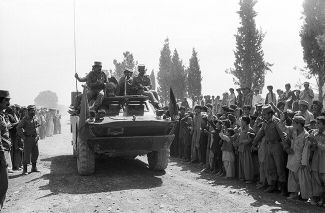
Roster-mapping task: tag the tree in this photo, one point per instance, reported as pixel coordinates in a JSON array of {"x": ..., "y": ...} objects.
[
  {"x": 163, "y": 76},
  {"x": 128, "y": 62},
  {"x": 178, "y": 78},
  {"x": 194, "y": 76},
  {"x": 249, "y": 66},
  {"x": 311, "y": 40},
  {"x": 47, "y": 99},
  {"x": 153, "y": 80}
]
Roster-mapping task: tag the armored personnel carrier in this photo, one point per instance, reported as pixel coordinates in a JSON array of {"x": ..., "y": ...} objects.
[{"x": 127, "y": 126}]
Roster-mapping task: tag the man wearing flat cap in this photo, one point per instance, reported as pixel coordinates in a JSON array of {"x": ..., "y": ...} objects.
[
  {"x": 127, "y": 80},
  {"x": 4, "y": 141},
  {"x": 274, "y": 139},
  {"x": 142, "y": 86},
  {"x": 303, "y": 111},
  {"x": 307, "y": 94},
  {"x": 95, "y": 81},
  {"x": 27, "y": 129}
]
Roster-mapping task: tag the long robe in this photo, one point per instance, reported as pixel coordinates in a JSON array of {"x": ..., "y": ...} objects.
[
  {"x": 196, "y": 134},
  {"x": 50, "y": 126},
  {"x": 246, "y": 165}
]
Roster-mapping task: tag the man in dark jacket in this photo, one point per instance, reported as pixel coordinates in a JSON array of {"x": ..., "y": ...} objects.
[{"x": 4, "y": 132}]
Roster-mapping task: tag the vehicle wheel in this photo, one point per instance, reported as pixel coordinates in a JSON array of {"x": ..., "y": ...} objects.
[
  {"x": 158, "y": 160},
  {"x": 85, "y": 159}
]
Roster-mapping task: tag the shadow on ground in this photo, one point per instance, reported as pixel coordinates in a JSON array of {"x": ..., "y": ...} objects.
[
  {"x": 277, "y": 202},
  {"x": 113, "y": 174}
]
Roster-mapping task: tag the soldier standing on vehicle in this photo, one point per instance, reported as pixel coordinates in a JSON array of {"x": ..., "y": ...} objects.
[
  {"x": 142, "y": 85},
  {"x": 95, "y": 81},
  {"x": 28, "y": 130},
  {"x": 4, "y": 133}
]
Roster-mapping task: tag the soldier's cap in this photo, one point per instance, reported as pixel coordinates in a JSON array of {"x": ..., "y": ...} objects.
[
  {"x": 231, "y": 111},
  {"x": 127, "y": 70},
  {"x": 267, "y": 109},
  {"x": 269, "y": 87},
  {"x": 182, "y": 108},
  {"x": 306, "y": 82},
  {"x": 299, "y": 119},
  {"x": 231, "y": 89},
  {"x": 247, "y": 107},
  {"x": 233, "y": 106},
  {"x": 303, "y": 102},
  {"x": 225, "y": 107},
  {"x": 219, "y": 114},
  {"x": 141, "y": 67},
  {"x": 289, "y": 85},
  {"x": 4, "y": 94},
  {"x": 321, "y": 118},
  {"x": 97, "y": 63},
  {"x": 312, "y": 121},
  {"x": 197, "y": 107},
  {"x": 259, "y": 105},
  {"x": 29, "y": 107}
]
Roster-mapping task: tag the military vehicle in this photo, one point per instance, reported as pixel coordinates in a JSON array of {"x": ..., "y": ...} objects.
[{"x": 127, "y": 126}]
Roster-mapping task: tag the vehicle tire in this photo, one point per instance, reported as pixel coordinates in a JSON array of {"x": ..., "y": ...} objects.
[
  {"x": 158, "y": 160},
  {"x": 85, "y": 159}
]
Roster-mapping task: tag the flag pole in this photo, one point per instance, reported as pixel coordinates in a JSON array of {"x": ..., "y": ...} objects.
[{"x": 74, "y": 41}]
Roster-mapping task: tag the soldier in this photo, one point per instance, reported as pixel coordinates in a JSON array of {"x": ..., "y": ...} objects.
[
  {"x": 142, "y": 86},
  {"x": 275, "y": 159},
  {"x": 4, "y": 132},
  {"x": 121, "y": 84},
  {"x": 28, "y": 130},
  {"x": 95, "y": 81}
]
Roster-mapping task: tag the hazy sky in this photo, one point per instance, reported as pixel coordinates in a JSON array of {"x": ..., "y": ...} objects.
[{"x": 36, "y": 40}]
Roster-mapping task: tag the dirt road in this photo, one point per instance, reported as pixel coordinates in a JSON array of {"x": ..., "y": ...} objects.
[{"x": 121, "y": 185}]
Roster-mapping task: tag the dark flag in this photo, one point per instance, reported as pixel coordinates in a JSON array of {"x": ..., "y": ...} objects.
[{"x": 173, "y": 108}]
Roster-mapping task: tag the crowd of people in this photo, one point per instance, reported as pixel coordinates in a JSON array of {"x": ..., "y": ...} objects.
[
  {"x": 21, "y": 128},
  {"x": 277, "y": 142}
]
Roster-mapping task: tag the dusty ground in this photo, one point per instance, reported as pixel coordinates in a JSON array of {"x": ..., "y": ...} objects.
[{"x": 129, "y": 186}]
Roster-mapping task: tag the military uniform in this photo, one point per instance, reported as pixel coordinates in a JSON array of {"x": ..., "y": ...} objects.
[
  {"x": 273, "y": 136},
  {"x": 28, "y": 130},
  {"x": 95, "y": 81},
  {"x": 4, "y": 133},
  {"x": 142, "y": 86}
]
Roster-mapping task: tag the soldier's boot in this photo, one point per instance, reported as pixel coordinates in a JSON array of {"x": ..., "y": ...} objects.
[
  {"x": 25, "y": 169},
  {"x": 271, "y": 188},
  {"x": 34, "y": 168}
]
